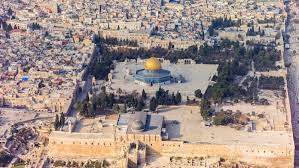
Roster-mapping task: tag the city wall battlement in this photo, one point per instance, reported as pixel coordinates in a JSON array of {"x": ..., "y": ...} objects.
[{"x": 264, "y": 154}]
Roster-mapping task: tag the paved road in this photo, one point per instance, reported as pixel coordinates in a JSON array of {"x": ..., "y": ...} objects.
[
  {"x": 293, "y": 84},
  {"x": 292, "y": 90}
]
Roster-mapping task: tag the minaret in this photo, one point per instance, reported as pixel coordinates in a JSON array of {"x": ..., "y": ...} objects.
[{"x": 70, "y": 126}]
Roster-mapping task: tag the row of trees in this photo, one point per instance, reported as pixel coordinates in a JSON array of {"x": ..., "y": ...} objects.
[
  {"x": 34, "y": 26},
  {"x": 272, "y": 83},
  {"x": 205, "y": 109},
  {"x": 114, "y": 41},
  {"x": 120, "y": 104},
  {"x": 6, "y": 27},
  {"x": 221, "y": 23},
  {"x": 251, "y": 32},
  {"x": 164, "y": 98},
  {"x": 59, "y": 121},
  {"x": 88, "y": 108}
]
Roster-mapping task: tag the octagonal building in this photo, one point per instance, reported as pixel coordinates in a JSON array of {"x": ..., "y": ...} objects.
[{"x": 152, "y": 73}]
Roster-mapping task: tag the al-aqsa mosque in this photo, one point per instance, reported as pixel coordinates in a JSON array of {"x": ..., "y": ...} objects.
[{"x": 152, "y": 73}]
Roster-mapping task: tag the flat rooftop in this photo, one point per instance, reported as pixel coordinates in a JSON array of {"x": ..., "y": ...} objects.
[
  {"x": 98, "y": 125},
  {"x": 152, "y": 122},
  {"x": 80, "y": 135},
  {"x": 197, "y": 76}
]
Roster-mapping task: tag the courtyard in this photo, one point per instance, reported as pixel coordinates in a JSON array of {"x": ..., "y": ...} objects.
[{"x": 196, "y": 76}]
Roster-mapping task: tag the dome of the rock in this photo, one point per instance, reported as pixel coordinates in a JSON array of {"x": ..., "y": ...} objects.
[{"x": 152, "y": 64}]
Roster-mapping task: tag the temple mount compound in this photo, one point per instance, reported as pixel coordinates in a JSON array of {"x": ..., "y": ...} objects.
[
  {"x": 152, "y": 73},
  {"x": 184, "y": 76}
]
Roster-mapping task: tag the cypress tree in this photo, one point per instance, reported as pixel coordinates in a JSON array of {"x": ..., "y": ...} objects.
[
  {"x": 84, "y": 111},
  {"x": 116, "y": 108},
  {"x": 140, "y": 105},
  {"x": 125, "y": 108},
  {"x": 87, "y": 98},
  {"x": 62, "y": 119},
  {"x": 173, "y": 99},
  {"x": 153, "y": 104},
  {"x": 143, "y": 94},
  {"x": 178, "y": 98},
  {"x": 56, "y": 123}
]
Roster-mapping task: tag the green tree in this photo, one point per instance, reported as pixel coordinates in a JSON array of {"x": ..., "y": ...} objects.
[
  {"x": 80, "y": 107},
  {"x": 205, "y": 109},
  {"x": 143, "y": 95},
  {"x": 84, "y": 111},
  {"x": 178, "y": 98},
  {"x": 172, "y": 99},
  {"x": 153, "y": 104},
  {"x": 188, "y": 99},
  {"x": 198, "y": 93},
  {"x": 140, "y": 104},
  {"x": 223, "y": 119},
  {"x": 124, "y": 110},
  {"x": 56, "y": 122},
  {"x": 9, "y": 28},
  {"x": 91, "y": 112},
  {"x": 62, "y": 119},
  {"x": 87, "y": 98},
  {"x": 9, "y": 11},
  {"x": 116, "y": 108},
  {"x": 110, "y": 100}
]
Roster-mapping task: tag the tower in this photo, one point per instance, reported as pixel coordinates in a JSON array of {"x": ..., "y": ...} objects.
[{"x": 69, "y": 126}]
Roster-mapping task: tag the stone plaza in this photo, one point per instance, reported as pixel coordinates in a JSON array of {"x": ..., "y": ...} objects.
[{"x": 187, "y": 77}]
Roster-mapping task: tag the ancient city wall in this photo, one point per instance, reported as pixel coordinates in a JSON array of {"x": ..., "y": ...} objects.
[
  {"x": 81, "y": 146},
  {"x": 153, "y": 142},
  {"x": 78, "y": 145},
  {"x": 270, "y": 155}
]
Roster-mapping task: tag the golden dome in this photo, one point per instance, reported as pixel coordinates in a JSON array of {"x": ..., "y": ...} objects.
[{"x": 152, "y": 64}]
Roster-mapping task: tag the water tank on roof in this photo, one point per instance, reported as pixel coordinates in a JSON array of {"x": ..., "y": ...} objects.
[{"x": 25, "y": 78}]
